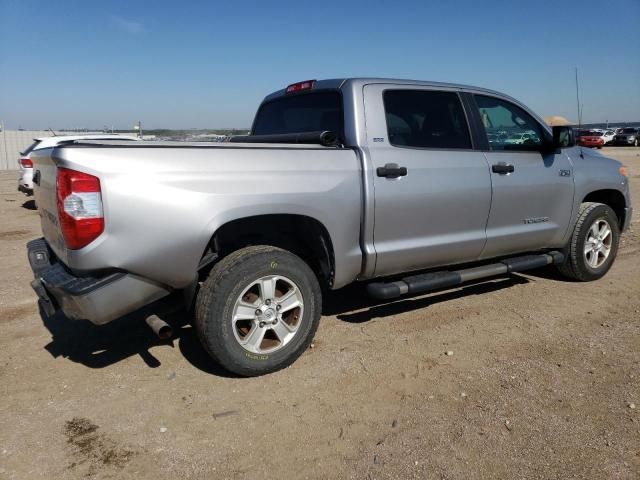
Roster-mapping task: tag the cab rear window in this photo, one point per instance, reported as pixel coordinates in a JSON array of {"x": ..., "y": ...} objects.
[{"x": 307, "y": 112}]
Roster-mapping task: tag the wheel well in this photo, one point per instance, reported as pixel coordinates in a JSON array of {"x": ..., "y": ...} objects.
[
  {"x": 299, "y": 234},
  {"x": 613, "y": 198}
]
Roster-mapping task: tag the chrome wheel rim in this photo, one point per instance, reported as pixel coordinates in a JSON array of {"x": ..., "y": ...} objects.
[
  {"x": 597, "y": 246},
  {"x": 267, "y": 314}
]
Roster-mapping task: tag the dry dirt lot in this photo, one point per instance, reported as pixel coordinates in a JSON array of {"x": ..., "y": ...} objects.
[{"x": 541, "y": 384}]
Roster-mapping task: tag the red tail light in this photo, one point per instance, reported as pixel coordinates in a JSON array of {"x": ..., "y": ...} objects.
[
  {"x": 297, "y": 87},
  {"x": 79, "y": 203},
  {"x": 26, "y": 162}
]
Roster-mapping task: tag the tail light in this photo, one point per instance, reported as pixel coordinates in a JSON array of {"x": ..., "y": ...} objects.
[
  {"x": 26, "y": 162},
  {"x": 79, "y": 203},
  {"x": 297, "y": 87}
]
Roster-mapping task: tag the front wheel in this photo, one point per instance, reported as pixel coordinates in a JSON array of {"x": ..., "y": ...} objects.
[
  {"x": 258, "y": 310},
  {"x": 593, "y": 245}
]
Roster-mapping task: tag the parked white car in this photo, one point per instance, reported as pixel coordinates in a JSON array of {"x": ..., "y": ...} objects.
[
  {"x": 520, "y": 138},
  {"x": 608, "y": 136},
  {"x": 25, "y": 180}
]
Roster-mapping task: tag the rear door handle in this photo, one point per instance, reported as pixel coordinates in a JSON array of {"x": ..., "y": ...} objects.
[
  {"x": 391, "y": 170},
  {"x": 502, "y": 168}
]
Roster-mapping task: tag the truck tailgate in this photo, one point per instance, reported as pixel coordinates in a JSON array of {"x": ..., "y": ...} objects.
[{"x": 44, "y": 188}]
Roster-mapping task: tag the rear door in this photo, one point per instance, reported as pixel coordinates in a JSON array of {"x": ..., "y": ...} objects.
[
  {"x": 432, "y": 190},
  {"x": 532, "y": 191}
]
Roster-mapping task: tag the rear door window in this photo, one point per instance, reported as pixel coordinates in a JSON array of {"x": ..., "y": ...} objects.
[{"x": 426, "y": 119}]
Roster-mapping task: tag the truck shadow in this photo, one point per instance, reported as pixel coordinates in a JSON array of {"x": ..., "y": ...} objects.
[
  {"x": 351, "y": 304},
  {"x": 102, "y": 346},
  {"x": 99, "y": 346}
]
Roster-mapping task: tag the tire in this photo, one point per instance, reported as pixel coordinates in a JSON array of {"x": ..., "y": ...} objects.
[
  {"x": 587, "y": 266},
  {"x": 222, "y": 315}
]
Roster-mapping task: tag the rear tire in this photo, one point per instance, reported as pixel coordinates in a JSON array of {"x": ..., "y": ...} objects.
[
  {"x": 258, "y": 310},
  {"x": 593, "y": 245}
]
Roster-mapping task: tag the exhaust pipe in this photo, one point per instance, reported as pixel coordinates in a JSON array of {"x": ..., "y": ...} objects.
[{"x": 161, "y": 328}]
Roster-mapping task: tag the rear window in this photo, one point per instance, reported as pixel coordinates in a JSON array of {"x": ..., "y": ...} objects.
[
  {"x": 425, "y": 119},
  {"x": 308, "y": 112},
  {"x": 30, "y": 148}
]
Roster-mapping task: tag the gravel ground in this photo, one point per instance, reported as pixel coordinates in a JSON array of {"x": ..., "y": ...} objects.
[{"x": 539, "y": 382}]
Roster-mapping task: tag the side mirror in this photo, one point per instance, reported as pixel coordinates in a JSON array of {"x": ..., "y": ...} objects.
[{"x": 563, "y": 137}]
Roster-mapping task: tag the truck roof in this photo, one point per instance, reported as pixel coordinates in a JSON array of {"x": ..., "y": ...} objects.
[{"x": 356, "y": 82}]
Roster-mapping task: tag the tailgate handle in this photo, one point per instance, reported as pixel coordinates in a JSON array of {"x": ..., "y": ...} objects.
[
  {"x": 391, "y": 170},
  {"x": 502, "y": 168}
]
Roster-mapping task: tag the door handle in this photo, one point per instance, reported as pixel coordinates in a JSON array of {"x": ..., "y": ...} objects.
[
  {"x": 502, "y": 168},
  {"x": 391, "y": 170}
]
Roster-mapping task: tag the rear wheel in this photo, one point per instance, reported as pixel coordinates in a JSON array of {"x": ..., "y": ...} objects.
[
  {"x": 259, "y": 310},
  {"x": 593, "y": 245}
]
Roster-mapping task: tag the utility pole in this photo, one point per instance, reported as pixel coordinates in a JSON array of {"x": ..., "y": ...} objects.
[
  {"x": 578, "y": 100},
  {"x": 4, "y": 138}
]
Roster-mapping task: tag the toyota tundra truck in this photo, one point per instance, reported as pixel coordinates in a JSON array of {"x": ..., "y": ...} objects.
[{"x": 390, "y": 182}]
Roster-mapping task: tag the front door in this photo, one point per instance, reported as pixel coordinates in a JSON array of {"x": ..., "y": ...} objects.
[
  {"x": 532, "y": 189},
  {"x": 432, "y": 190}
]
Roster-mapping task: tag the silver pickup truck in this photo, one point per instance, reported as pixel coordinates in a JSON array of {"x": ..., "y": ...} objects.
[{"x": 409, "y": 186}]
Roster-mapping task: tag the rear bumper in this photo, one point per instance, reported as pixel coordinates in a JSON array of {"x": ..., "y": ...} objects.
[
  {"x": 99, "y": 299},
  {"x": 25, "y": 180}
]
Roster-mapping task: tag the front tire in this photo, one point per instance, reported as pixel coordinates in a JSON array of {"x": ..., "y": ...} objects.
[
  {"x": 593, "y": 244},
  {"x": 258, "y": 310}
]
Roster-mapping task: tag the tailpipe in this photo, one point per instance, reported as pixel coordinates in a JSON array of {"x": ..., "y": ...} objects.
[{"x": 161, "y": 328}]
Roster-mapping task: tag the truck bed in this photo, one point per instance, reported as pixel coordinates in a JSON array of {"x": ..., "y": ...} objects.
[{"x": 163, "y": 201}]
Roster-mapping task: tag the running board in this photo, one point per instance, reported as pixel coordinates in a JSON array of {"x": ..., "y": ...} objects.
[{"x": 426, "y": 282}]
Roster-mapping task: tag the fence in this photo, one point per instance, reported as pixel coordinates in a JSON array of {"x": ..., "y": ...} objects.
[{"x": 12, "y": 142}]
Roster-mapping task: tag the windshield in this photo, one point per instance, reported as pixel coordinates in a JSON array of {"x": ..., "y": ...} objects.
[
  {"x": 628, "y": 130},
  {"x": 30, "y": 148},
  {"x": 309, "y": 112}
]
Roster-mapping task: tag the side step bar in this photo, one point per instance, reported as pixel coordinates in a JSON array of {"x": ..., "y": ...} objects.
[{"x": 425, "y": 282}]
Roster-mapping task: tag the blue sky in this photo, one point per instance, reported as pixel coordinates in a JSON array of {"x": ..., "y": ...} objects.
[{"x": 67, "y": 64}]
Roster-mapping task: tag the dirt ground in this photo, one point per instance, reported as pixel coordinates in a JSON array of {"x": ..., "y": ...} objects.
[{"x": 541, "y": 384}]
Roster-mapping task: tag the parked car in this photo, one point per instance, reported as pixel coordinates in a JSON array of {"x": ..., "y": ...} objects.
[
  {"x": 590, "y": 138},
  {"x": 390, "y": 182},
  {"x": 25, "y": 178},
  {"x": 608, "y": 136},
  {"x": 520, "y": 138},
  {"x": 628, "y": 136}
]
